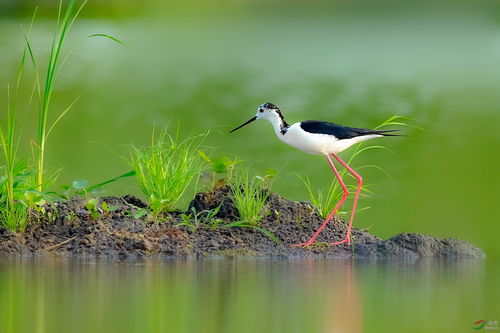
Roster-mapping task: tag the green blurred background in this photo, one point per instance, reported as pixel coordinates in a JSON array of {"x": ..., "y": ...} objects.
[{"x": 208, "y": 65}]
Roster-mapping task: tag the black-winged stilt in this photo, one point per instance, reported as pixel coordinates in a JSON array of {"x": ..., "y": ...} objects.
[{"x": 320, "y": 137}]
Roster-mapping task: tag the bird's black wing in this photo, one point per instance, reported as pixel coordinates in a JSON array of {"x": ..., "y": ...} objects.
[{"x": 339, "y": 131}]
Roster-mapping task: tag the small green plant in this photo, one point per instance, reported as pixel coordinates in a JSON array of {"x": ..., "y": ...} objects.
[
  {"x": 90, "y": 193},
  {"x": 249, "y": 195},
  {"x": 205, "y": 218},
  {"x": 166, "y": 168},
  {"x": 92, "y": 206},
  {"x": 81, "y": 187},
  {"x": 326, "y": 198},
  {"x": 91, "y": 202},
  {"x": 107, "y": 209},
  {"x": 36, "y": 203},
  {"x": 140, "y": 212},
  {"x": 221, "y": 171},
  {"x": 26, "y": 197}
]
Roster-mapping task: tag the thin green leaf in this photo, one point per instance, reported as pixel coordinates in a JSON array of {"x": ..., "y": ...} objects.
[
  {"x": 125, "y": 175},
  {"x": 107, "y": 36},
  {"x": 61, "y": 116}
]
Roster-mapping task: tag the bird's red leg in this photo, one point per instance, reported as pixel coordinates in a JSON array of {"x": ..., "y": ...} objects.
[
  {"x": 347, "y": 239},
  {"x": 344, "y": 196}
]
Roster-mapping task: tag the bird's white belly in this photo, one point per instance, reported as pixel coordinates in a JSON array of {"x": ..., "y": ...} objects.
[{"x": 314, "y": 143}]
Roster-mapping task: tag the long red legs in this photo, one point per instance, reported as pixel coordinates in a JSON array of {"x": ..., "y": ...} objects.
[
  {"x": 355, "y": 202},
  {"x": 344, "y": 196}
]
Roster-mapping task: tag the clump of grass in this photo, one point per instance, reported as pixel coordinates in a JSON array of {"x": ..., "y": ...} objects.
[
  {"x": 13, "y": 214},
  {"x": 326, "y": 198},
  {"x": 14, "y": 196},
  {"x": 166, "y": 168},
  {"x": 249, "y": 194},
  {"x": 14, "y": 217}
]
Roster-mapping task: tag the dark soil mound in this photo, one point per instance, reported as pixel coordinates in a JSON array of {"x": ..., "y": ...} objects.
[{"x": 116, "y": 233}]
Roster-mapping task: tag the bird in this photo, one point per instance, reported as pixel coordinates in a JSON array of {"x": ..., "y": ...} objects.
[{"x": 321, "y": 138}]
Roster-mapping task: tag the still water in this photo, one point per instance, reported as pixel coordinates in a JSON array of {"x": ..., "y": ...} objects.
[{"x": 254, "y": 295}]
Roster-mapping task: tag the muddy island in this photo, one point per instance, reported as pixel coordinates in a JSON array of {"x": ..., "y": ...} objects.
[{"x": 71, "y": 228}]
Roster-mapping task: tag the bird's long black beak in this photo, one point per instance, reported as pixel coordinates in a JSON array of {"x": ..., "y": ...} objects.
[{"x": 248, "y": 122}]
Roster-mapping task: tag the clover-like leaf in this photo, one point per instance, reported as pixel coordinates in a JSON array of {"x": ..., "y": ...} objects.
[{"x": 80, "y": 184}]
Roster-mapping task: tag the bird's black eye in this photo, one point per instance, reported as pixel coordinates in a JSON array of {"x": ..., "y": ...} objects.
[{"x": 261, "y": 110}]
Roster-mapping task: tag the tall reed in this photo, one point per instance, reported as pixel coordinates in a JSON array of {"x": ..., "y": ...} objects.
[{"x": 65, "y": 20}]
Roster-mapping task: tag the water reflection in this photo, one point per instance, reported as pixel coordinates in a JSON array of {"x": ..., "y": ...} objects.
[
  {"x": 45, "y": 295},
  {"x": 346, "y": 313}
]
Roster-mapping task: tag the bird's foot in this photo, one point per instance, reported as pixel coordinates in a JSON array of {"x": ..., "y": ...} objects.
[
  {"x": 311, "y": 241},
  {"x": 305, "y": 244},
  {"x": 346, "y": 240}
]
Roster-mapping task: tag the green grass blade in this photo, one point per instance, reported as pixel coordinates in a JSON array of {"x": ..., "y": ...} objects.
[
  {"x": 61, "y": 115},
  {"x": 125, "y": 175},
  {"x": 107, "y": 36}
]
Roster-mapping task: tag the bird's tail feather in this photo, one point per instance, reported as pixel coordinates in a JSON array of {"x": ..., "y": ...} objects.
[{"x": 386, "y": 132}]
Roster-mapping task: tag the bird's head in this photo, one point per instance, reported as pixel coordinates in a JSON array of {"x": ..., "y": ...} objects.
[{"x": 267, "y": 111}]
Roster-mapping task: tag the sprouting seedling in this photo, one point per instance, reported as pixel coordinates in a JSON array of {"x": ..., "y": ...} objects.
[
  {"x": 92, "y": 206},
  {"x": 108, "y": 208},
  {"x": 205, "y": 218}
]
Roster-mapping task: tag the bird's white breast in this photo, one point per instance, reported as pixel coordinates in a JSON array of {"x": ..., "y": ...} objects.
[{"x": 314, "y": 143}]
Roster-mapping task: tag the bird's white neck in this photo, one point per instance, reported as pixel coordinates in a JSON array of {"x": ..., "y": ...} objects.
[{"x": 279, "y": 124}]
